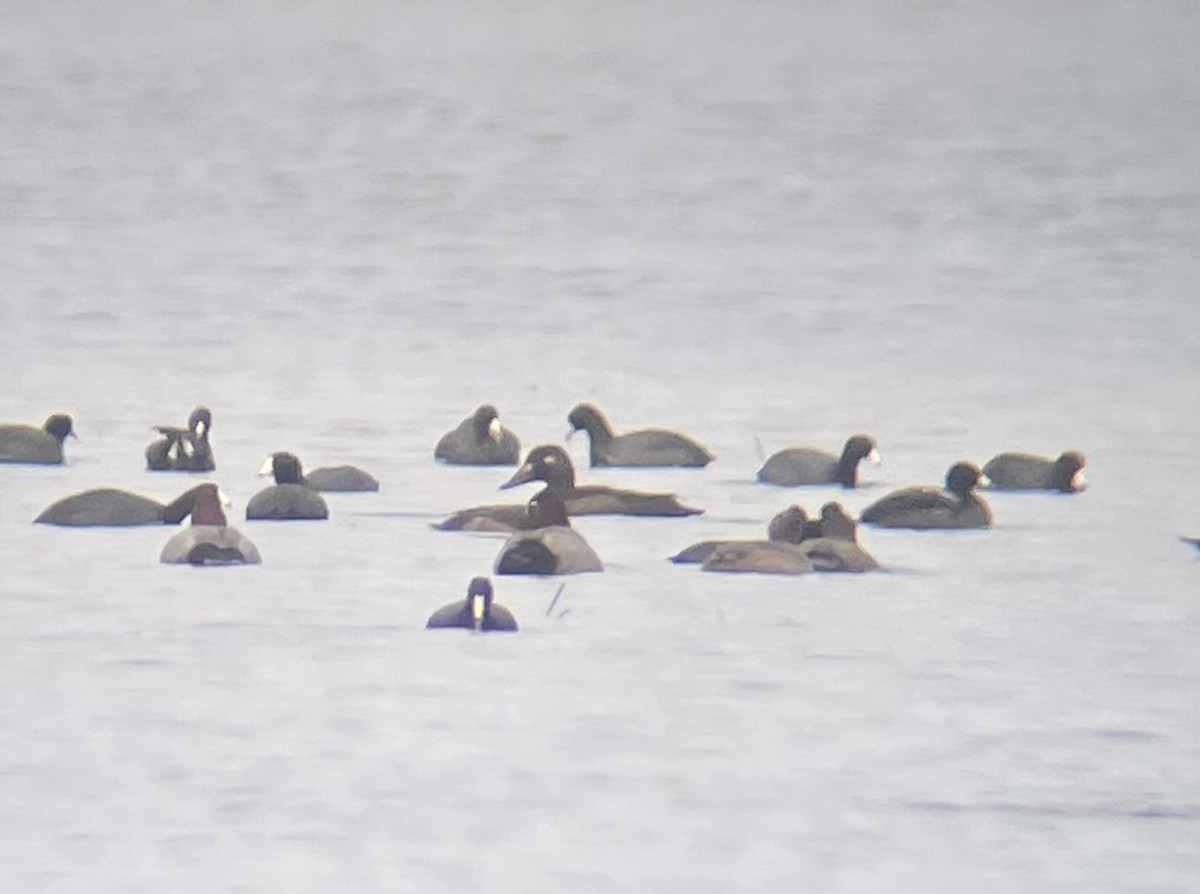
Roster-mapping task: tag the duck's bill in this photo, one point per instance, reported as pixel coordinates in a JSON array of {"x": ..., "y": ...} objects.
[
  {"x": 873, "y": 457},
  {"x": 223, "y": 498},
  {"x": 984, "y": 480},
  {"x": 1078, "y": 480},
  {"x": 570, "y": 432},
  {"x": 521, "y": 476},
  {"x": 268, "y": 466}
]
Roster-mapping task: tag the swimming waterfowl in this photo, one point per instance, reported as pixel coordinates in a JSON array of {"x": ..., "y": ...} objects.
[
  {"x": 837, "y": 548},
  {"x": 344, "y": 479},
  {"x": 647, "y": 447},
  {"x": 791, "y": 525},
  {"x": 955, "y": 506},
  {"x": 479, "y": 440},
  {"x": 825, "y": 545},
  {"x": 479, "y": 611},
  {"x": 552, "y": 547},
  {"x": 1191, "y": 541},
  {"x": 289, "y": 498},
  {"x": 33, "y": 445},
  {"x": 1027, "y": 471},
  {"x": 796, "y": 466},
  {"x": 550, "y": 463},
  {"x": 208, "y": 540},
  {"x": 183, "y": 449}
]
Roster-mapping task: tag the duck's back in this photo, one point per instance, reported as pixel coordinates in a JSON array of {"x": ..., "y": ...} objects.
[
  {"x": 1020, "y": 471},
  {"x": 210, "y": 545},
  {"x": 762, "y": 557},
  {"x": 102, "y": 507},
  {"x": 600, "y": 500},
  {"x": 282, "y": 502},
  {"x": 340, "y": 478},
  {"x": 649, "y": 447},
  {"x": 927, "y": 507},
  {"x": 28, "y": 444},
  {"x": 552, "y": 550},
  {"x": 799, "y": 465}
]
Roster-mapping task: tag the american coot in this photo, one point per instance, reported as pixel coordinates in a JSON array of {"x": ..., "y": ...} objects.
[
  {"x": 103, "y": 506},
  {"x": 345, "y": 479},
  {"x": 479, "y": 611},
  {"x": 1027, "y": 471},
  {"x": 289, "y": 499},
  {"x": 208, "y": 540},
  {"x": 183, "y": 449},
  {"x": 807, "y": 465},
  {"x": 955, "y": 506},
  {"x": 648, "y": 447},
  {"x": 552, "y": 546},
  {"x": 39, "y": 446},
  {"x": 550, "y": 463},
  {"x": 479, "y": 440},
  {"x": 791, "y": 525}
]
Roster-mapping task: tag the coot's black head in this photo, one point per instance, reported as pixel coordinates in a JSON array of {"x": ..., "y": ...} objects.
[
  {"x": 1068, "y": 472},
  {"x": 963, "y": 478},
  {"x": 788, "y": 525},
  {"x": 861, "y": 447},
  {"x": 58, "y": 426},
  {"x": 589, "y": 418},
  {"x": 200, "y": 422},
  {"x": 284, "y": 466},
  {"x": 479, "y": 596},
  {"x": 486, "y": 423},
  {"x": 549, "y": 463}
]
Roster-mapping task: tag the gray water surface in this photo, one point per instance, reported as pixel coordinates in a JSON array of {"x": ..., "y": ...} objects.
[{"x": 961, "y": 227}]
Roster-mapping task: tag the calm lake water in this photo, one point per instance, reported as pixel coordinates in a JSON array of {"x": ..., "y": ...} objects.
[{"x": 961, "y": 227}]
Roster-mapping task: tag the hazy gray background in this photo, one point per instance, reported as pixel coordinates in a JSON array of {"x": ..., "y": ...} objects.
[{"x": 959, "y": 226}]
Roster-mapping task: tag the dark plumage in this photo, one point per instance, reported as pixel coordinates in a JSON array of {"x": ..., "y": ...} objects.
[
  {"x": 550, "y": 463},
  {"x": 183, "y": 449},
  {"x": 479, "y": 611},
  {"x": 648, "y": 447},
  {"x": 344, "y": 479},
  {"x": 825, "y": 545},
  {"x": 789, "y": 526},
  {"x": 796, "y": 466},
  {"x": 104, "y": 506},
  {"x": 955, "y": 506},
  {"x": 479, "y": 440},
  {"x": 208, "y": 540},
  {"x": 1027, "y": 471},
  {"x": 290, "y": 498},
  {"x": 37, "y": 446},
  {"x": 550, "y": 545}
]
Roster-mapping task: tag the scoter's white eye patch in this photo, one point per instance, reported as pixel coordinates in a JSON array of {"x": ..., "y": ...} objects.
[
  {"x": 201, "y": 428},
  {"x": 494, "y": 429},
  {"x": 551, "y": 459}
]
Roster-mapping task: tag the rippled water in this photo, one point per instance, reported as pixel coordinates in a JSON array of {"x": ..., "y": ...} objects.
[{"x": 961, "y": 227}]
